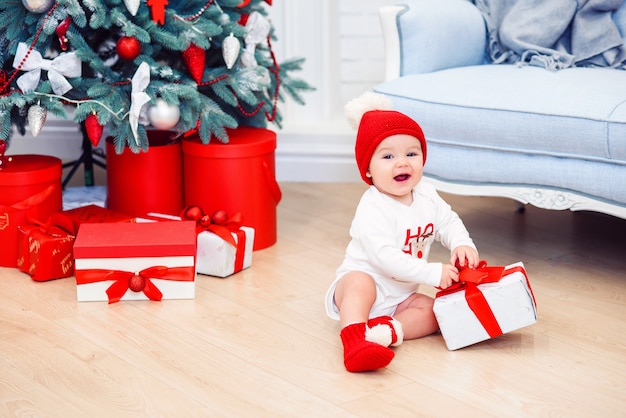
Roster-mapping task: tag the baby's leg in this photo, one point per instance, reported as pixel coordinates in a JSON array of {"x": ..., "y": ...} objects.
[
  {"x": 416, "y": 316},
  {"x": 354, "y": 296}
]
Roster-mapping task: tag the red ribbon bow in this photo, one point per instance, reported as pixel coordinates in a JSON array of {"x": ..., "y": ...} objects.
[
  {"x": 469, "y": 279},
  {"x": 136, "y": 281}
]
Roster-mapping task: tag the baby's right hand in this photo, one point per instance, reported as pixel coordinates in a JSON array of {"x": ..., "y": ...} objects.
[{"x": 449, "y": 275}]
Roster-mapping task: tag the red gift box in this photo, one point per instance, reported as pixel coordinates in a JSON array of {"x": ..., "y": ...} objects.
[
  {"x": 151, "y": 181},
  {"x": 45, "y": 251},
  {"x": 135, "y": 261},
  {"x": 30, "y": 187},
  {"x": 238, "y": 176}
]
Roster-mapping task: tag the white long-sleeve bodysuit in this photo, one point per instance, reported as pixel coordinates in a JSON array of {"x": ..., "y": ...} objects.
[{"x": 391, "y": 242}]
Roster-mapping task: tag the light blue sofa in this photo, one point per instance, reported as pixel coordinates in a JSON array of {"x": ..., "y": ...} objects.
[{"x": 554, "y": 139}]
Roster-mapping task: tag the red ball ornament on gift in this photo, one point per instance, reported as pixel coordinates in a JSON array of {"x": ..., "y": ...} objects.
[
  {"x": 205, "y": 221},
  {"x": 193, "y": 213},
  {"x": 137, "y": 283},
  {"x": 219, "y": 217},
  {"x": 128, "y": 48}
]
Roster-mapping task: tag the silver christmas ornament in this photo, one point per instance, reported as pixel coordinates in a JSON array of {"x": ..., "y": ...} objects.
[
  {"x": 230, "y": 50},
  {"x": 132, "y": 6},
  {"x": 37, "y": 6},
  {"x": 36, "y": 118},
  {"x": 163, "y": 115}
]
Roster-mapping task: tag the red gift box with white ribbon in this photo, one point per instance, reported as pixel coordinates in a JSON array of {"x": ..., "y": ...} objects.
[
  {"x": 135, "y": 261},
  {"x": 485, "y": 303}
]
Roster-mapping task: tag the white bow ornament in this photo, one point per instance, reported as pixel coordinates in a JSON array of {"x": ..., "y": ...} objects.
[
  {"x": 258, "y": 29},
  {"x": 64, "y": 65},
  {"x": 138, "y": 96}
]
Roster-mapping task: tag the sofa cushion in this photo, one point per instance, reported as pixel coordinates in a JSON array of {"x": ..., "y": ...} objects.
[{"x": 575, "y": 112}]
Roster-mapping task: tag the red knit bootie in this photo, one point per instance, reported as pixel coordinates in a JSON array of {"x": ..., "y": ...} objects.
[
  {"x": 360, "y": 355},
  {"x": 384, "y": 330}
]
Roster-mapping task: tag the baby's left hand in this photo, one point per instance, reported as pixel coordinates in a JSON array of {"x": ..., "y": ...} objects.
[{"x": 466, "y": 257}]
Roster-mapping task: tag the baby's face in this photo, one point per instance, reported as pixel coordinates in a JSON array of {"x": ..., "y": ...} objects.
[{"x": 397, "y": 166}]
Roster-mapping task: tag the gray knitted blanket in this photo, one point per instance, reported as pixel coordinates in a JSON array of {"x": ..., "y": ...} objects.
[{"x": 554, "y": 34}]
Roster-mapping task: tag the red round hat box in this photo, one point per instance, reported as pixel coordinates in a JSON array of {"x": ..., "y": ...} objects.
[
  {"x": 144, "y": 182},
  {"x": 238, "y": 176},
  {"x": 30, "y": 187}
]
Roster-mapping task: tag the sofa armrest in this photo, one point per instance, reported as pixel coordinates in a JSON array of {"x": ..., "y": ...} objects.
[{"x": 429, "y": 35}]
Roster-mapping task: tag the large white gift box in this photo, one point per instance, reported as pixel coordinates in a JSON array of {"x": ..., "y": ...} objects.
[{"x": 492, "y": 306}]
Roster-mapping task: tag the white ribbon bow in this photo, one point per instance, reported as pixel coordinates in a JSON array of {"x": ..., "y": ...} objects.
[
  {"x": 64, "y": 65},
  {"x": 138, "y": 96},
  {"x": 258, "y": 28}
]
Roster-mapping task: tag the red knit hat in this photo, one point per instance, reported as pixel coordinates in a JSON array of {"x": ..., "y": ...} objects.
[{"x": 375, "y": 126}]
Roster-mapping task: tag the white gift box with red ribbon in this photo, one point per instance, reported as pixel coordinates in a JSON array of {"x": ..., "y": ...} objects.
[
  {"x": 217, "y": 257},
  {"x": 487, "y": 302},
  {"x": 135, "y": 261}
]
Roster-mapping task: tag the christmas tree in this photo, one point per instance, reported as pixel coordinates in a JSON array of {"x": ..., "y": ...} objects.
[{"x": 128, "y": 66}]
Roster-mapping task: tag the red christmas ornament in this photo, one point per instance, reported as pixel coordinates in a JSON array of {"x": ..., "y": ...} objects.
[
  {"x": 195, "y": 58},
  {"x": 128, "y": 48},
  {"x": 158, "y": 10},
  {"x": 219, "y": 217},
  {"x": 269, "y": 2},
  {"x": 3, "y": 147},
  {"x": 94, "y": 129},
  {"x": 205, "y": 221},
  {"x": 137, "y": 283},
  {"x": 192, "y": 213},
  {"x": 61, "y": 31}
]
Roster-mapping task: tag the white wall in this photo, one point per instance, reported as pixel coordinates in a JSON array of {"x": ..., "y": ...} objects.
[{"x": 342, "y": 43}]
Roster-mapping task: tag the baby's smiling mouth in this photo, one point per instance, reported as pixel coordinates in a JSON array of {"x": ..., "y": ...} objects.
[{"x": 401, "y": 177}]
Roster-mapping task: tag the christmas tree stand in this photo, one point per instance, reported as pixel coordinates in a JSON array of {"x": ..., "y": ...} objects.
[
  {"x": 151, "y": 181},
  {"x": 238, "y": 176}
]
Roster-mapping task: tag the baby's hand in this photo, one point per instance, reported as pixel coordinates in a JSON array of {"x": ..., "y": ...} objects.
[
  {"x": 466, "y": 256},
  {"x": 449, "y": 275}
]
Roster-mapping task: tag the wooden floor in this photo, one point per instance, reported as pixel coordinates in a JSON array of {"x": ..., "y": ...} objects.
[{"x": 258, "y": 344}]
